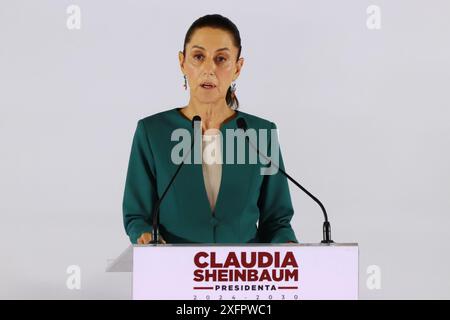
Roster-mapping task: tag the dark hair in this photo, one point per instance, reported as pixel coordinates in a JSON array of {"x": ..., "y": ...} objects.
[{"x": 219, "y": 22}]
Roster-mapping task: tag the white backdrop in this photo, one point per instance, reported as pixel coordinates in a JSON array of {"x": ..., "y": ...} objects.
[{"x": 363, "y": 118}]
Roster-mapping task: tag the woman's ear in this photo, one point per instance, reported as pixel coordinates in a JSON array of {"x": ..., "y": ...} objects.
[
  {"x": 181, "y": 60},
  {"x": 239, "y": 65}
]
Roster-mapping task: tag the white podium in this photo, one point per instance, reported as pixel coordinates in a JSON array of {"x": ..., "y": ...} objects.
[{"x": 241, "y": 271}]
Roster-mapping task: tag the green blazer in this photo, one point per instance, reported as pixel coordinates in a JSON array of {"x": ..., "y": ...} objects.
[{"x": 250, "y": 207}]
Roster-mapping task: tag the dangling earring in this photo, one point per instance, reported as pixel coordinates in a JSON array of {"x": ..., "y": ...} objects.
[
  {"x": 185, "y": 82},
  {"x": 233, "y": 88}
]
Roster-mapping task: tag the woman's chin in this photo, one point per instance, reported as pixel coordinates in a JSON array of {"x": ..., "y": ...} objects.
[{"x": 208, "y": 99}]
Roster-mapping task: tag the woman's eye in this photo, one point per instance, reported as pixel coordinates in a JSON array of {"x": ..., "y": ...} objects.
[{"x": 220, "y": 59}]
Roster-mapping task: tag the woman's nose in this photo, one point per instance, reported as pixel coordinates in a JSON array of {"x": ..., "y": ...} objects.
[{"x": 209, "y": 66}]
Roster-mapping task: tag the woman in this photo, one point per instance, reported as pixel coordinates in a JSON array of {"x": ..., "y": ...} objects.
[{"x": 210, "y": 202}]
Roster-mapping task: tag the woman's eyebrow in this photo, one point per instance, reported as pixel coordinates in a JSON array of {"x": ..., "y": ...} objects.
[{"x": 199, "y": 47}]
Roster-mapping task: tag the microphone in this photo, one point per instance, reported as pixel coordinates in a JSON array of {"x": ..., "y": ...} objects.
[
  {"x": 155, "y": 214},
  {"x": 242, "y": 124}
]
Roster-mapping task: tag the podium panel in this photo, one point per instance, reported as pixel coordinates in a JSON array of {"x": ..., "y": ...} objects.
[{"x": 245, "y": 272}]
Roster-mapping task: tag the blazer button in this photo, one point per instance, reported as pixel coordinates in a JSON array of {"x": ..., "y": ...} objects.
[{"x": 214, "y": 221}]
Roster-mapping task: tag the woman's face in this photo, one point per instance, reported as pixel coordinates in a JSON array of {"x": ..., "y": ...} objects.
[{"x": 210, "y": 59}]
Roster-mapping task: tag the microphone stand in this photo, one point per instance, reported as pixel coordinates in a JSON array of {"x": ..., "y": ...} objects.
[
  {"x": 155, "y": 214},
  {"x": 326, "y": 225}
]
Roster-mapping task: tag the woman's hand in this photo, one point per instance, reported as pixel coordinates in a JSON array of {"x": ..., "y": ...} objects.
[{"x": 147, "y": 237}]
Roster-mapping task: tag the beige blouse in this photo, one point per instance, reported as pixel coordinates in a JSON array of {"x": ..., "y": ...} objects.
[{"x": 212, "y": 164}]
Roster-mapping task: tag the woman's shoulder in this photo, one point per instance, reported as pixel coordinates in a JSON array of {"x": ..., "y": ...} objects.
[
  {"x": 156, "y": 117},
  {"x": 163, "y": 120},
  {"x": 257, "y": 121}
]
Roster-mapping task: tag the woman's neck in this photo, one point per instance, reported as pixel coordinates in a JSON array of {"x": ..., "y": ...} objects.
[{"x": 213, "y": 115}]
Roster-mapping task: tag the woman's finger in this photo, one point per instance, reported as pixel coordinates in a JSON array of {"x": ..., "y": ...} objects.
[{"x": 147, "y": 238}]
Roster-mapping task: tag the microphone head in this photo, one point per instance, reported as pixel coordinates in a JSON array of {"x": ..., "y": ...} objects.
[
  {"x": 196, "y": 118},
  {"x": 242, "y": 124}
]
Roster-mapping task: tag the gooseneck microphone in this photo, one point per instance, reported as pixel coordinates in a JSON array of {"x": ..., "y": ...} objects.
[
  {"x": 242, "y": 124},
  {"x": 155, "y": 214}
]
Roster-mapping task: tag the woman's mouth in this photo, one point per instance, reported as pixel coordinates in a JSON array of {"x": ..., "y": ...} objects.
[{"x": 208, "y": 86}]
